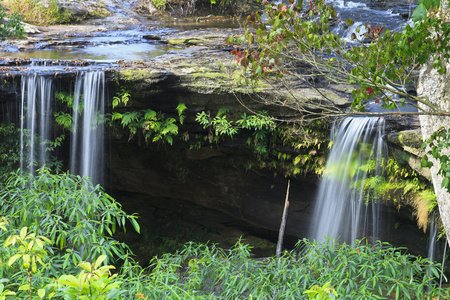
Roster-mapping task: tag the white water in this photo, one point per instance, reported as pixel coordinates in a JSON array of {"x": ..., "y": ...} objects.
[
  {"x": 86, "y": 158},
  {"x": 340, "y": 211},
  {"x": 432, "y": 244},
  {"x": 35, "y": 120}
]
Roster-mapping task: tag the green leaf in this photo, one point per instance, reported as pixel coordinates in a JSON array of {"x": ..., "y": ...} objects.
[
  {"x": 41, "y": 293},
  {"x": 13, "y": 259},
  {"x": 99, "y": 261},
  {"x": 135, "y": 225},
  {"x": 181, "y": 108},
  {"x": 420, "y": 13}
]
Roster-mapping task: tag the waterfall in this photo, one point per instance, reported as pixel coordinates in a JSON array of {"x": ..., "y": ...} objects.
[
  {"x": 432, "y": 244},
  {"x": 86, "y": 155},
  {"x": 341, "y": 210},
  {"x": 35, "y": 120},
  {"x": 86, "y": 158}
]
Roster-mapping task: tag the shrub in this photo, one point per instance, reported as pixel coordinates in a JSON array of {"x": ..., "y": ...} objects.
[{"x": 33, "y": 11}]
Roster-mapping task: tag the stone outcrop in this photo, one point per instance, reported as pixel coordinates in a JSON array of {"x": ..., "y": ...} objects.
[
  {"x": 435, "y": 88},
  {"x": 406, "y": 149}
]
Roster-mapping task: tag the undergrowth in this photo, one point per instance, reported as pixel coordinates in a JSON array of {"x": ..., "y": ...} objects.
[{"x": 35, "y": 12}]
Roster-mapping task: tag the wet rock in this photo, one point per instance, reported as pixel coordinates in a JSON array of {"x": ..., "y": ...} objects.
[
  {"x": 152, "y": 37},
  {"x": 84, "y": 9},
  {"x": 30, "y": 29},
  {"x": 405, "y": 146}
]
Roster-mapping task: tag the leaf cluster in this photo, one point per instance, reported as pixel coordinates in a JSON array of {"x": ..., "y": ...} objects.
[
  {"x": 268, "y": 140},
  {"x": 358, "y": 271},
  {"x": 54, "y": 223},
  {"x": 153, "y": 125},
  {"x": 299, "y": 45},
  {"x": 436, "y": 146},
  {"x": 12, "y": 27}
]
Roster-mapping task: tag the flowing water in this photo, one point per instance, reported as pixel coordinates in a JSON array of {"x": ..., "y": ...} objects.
[
  {"x": 341, "y": 211},
  {"x": 86, "y": 157},
  {"x": 35, "y": 120}
]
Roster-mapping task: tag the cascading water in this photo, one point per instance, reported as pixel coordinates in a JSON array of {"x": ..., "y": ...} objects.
[
  {"x": 35, "y": 120},
  {"x": 433, "y": 243},
  {"x": 86, "y": 157},
  {"x": 341, "y": 211}
]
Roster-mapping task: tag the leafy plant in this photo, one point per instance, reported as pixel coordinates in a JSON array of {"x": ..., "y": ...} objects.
[
  {"x": 12, "y": 27},
  {"x": 324, "y": 292},
  {"x": 159, "y": 4},
  {"x": 329, "y": 269},
  {"x": 437, "y": 142},
  {"x": 79, "y": 218},
  {"x": 94, "y": 282},
  {"x": 31, "y": 251},
  {"x": 35, "y": 12},
  {"x": 265, "y": 138},
  {"x": 153, "y": 125}
]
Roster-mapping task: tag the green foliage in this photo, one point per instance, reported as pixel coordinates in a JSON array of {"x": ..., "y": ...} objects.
[
  {"x": 9, "y": 150},
  {"x": 12, "y": 27},
  {"x": 420, "y": 13},
  {"x": 93, "y": 282},
  {"x": 65, "y": 98},
  {"x": 160, "y": 4},
  {"x": 69, "y": 210},
  {"x": 65, "y": 120},
  {"x": 265, "y": 138},
  {"x": 35, "y": 12},
  {"x": 153, "y": 125},
  {"x": 122, "y": 97},
  {"x": 55, "y": 222},
  {"x": 321, "y": 292},
  {"x": 399, "y": 185},
  {"x": 280, "y": 48},
  {"x": 437, "y": 142},
  {"x": 358, "y": 271},
  {"x": 30, "y": 251}
]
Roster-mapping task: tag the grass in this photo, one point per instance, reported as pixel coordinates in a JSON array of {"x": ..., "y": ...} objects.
[{"x": 34, "y": 12}]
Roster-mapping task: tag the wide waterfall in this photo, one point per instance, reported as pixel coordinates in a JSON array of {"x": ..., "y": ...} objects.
[
  {"x": 37, "y": 119},
  {"x": 341, "y": 211}
]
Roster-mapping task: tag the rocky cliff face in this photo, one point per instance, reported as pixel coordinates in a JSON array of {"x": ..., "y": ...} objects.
[{"x": 436, "y": 89}]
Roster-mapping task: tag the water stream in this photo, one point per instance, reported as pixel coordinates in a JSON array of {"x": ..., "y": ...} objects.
[
  {"x": 35, "y": 120},
  {"x": 86, "y": 157},
  {"x": 341, "y": 211}
]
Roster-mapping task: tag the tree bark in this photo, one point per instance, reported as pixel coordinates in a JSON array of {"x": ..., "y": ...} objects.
[{"x": 283, "y": 222}]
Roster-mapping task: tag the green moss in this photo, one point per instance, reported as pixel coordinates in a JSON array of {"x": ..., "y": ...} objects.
[
  {"x": 410, "y": 139},
  {"x": 136, "y": 74},
  {"x": 189, "y": 41}
]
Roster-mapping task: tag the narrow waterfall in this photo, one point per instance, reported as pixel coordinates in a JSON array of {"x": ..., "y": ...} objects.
[
  {"x": 433, "y": 243},
  {"x": 35, "y": 120},
  {"x": 341, "y": 211},
  {"x": 86, "y": 158}
]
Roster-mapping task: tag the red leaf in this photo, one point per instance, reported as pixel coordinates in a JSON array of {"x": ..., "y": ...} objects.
[{"x": 369, "y": 90}]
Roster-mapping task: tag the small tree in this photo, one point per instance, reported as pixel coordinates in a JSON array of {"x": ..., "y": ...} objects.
[{"x": 296, "y": 46}]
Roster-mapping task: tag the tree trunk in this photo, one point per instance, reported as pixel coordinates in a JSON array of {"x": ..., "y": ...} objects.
[{"x": 283, "y": 222}]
